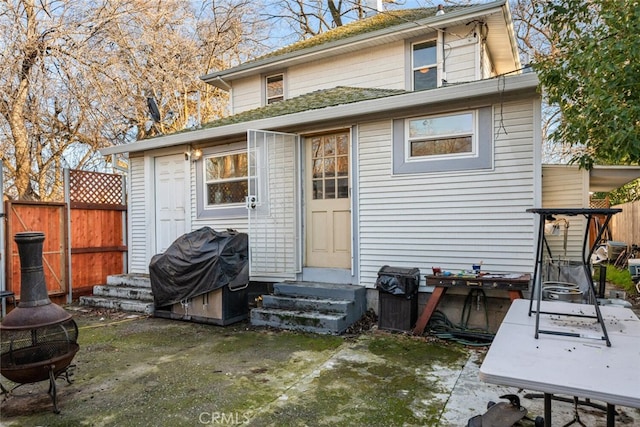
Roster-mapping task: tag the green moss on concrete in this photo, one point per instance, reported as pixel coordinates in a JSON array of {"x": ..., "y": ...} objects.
[
  {"x": 389, "y": 384},
  {"x": 169, "y": 373}
]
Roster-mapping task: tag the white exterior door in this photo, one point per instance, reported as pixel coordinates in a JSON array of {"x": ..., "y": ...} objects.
[
  {"x": 328, "y": 212},
  {"x": 170, "y": 200},
  {"x": 274, "y": 204}
]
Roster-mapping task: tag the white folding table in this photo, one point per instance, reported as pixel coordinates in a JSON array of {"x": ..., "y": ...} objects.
[{"x": 580, "y": 364}]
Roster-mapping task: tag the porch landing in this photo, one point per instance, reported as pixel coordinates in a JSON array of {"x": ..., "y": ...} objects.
[{"x": 325, "y": 308}]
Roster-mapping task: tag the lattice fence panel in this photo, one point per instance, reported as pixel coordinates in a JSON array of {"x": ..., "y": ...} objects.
[
  {"x": 95, "y": 187},
  {"x": 599, "y": 203}
]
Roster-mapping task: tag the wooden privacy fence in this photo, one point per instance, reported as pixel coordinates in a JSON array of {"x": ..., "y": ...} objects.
[
  {"x": 85, "y": 237},
  {"x": 625, "y": 226}
]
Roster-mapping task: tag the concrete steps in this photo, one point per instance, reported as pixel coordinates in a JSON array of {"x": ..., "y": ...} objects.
[
  {"x": 312, "y": 307},
  {"x": 126, "y": 292}
]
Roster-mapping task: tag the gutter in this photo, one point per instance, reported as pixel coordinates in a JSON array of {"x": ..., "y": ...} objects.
[{"x": 389, "y": 104}]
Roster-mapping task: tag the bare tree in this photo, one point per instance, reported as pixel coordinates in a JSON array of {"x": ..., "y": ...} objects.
[{"x": 77, "y": 75}]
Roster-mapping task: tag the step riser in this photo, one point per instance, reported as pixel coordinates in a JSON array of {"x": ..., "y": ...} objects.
[
  {"x": 142, "y": 294},
  {"x": 320, "y": 290},
  {"x": 323, "y": 308},
  {"x": 298, "y": 322},
  {"x": 131, "y": 280},
  {"x": 117, "y": 304},
  {"x": 304, "y": 304}
]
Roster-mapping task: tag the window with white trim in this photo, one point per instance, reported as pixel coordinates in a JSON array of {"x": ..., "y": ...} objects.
[
  {"x": 226, "y": 179},
  {"x": 457, "y": 141},
  {"x": 424, "y": 61},
  {"x": 433, "y": 137},
  {"x": 274, "y": 88}
]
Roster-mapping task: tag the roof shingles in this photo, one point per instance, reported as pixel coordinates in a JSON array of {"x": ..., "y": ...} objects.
[
  {"x": 379, "y": 21},
  {"x": 310, "y": 101}
]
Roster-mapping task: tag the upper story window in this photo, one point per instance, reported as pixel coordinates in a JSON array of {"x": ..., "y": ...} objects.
[
  {"x": 424, "y": 58},
  {"x": 274, "y": 86},
  {"x": 439, "y": 136},
  {"x": 226, "y": 179}
]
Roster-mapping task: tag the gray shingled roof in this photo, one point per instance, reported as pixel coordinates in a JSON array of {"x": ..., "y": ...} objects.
[{"x": 310, "y": 101}]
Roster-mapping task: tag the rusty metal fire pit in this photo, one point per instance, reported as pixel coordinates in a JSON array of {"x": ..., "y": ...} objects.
[{"x": 38, "y": 339}]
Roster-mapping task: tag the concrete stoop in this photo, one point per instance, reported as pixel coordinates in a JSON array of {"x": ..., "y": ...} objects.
[
  {"x": 126, "y": 292},
  {"x": 322, "y": 308}
]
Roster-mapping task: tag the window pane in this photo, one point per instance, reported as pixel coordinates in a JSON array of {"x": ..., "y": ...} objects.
[
  {"x": 445, "y": 125},
  {"x": 226, "y": 167},
  {"x": 343, "y": 144},
  {"x": 343, "y": 165},
  {"x": 275, "y": 86},
  {"x": 424, "y": 54},
  {"x": 317, "y": 168},
  {"x": 441, "y": 146},
  {"x": 316, "y": 147},
  {"x": 329, "y": 167},
  {"x": 425, "y": 78},
  {"x": 226, "y": 178},
  {"x": 343, "y": 188},
  {"x": 317, "y": 189},
  {"x": 330, "y": 159},
  {"x": 330, "y": 146},
  {"x": 226, "y": 192},
  {"x": 330, "y": 188}
]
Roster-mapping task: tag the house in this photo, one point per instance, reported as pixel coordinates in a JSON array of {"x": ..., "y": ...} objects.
[{"x": 409, "y": 139}]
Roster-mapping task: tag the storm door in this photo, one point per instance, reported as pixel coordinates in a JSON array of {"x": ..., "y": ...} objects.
[{"x": 274, "y": 204}]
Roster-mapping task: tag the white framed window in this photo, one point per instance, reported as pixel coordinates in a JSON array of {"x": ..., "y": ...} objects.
[
  {"x": 225, "y": 179},
  {"x": 274, "y": 88},
  {"x": 442, "y": 136},
  {"x": 456, "y": 141},
  {"x": 424, "y": 65}
]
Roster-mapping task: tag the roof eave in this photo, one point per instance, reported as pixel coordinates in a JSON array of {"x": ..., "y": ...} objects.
[
  {"x": 521, "y": 82},
  {"x": 364, "y": 40}
]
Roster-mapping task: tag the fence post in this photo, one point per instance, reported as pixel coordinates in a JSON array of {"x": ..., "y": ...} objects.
[
  {"x": 3, "y": 261},
  {"x": 67, "y": 202}
]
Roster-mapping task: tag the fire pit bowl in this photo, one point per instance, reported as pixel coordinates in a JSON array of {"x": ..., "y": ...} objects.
[{"x": 38, "y": 339}]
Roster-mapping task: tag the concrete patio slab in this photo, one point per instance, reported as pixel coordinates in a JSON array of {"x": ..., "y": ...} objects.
[{"x": 144, "y": 371}]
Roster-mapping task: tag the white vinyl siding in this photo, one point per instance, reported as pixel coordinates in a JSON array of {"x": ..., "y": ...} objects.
[
  {"x": 376, "y": 68},
  {"x": 384, "y": 67},
  {"x": 487, "y": 70},
  {"x": 138, "y": 222},
  {"x": 460, "y": 60},
  {"x": 246, "y": 94},
  {"x": 449, "y": 220},
  {"x": 565, "y": 187}
]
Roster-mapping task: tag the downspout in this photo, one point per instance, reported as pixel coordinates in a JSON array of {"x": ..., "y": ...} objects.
[
  {"x": 443, "y": 70},
  {"x": 222, "y": 83}
]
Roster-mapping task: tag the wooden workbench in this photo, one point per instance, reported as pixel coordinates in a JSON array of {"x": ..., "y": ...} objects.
[{"x": 514, "y": 283}]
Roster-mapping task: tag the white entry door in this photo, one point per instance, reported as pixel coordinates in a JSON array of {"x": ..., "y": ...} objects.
[
  {"x": 170, "y": 200},
  {"x": 274, "y": 204}
]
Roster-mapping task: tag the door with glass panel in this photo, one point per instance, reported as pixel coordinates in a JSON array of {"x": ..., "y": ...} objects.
[{"x": 328, "y": 204}]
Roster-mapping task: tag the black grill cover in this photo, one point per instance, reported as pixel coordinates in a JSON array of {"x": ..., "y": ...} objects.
[{"x": 197, "y": 263}]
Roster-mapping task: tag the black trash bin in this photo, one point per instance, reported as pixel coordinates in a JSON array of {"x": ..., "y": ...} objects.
[{"x": 397, "y": 297}]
